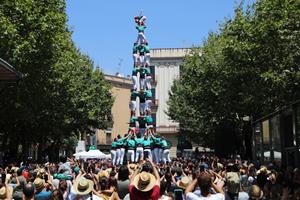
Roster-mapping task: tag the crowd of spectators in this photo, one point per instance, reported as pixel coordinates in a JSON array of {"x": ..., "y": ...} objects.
[{"x": 206, "y": 177}]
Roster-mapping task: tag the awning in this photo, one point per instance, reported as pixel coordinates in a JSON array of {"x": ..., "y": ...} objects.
[{"x": 8, "y": 72}]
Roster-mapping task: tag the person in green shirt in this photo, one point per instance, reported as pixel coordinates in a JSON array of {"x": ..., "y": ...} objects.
[
  {"x": 135, "y": 54},
  {"x": 148, "y": 78},
  {"x": 142, "y": 50},
  {"x": 139, "y": 152},
  {"x": 148, "y": 103},
  {"x": 141, "y": 37},
  {"x": 147, "y": 142},
  {"x": 149, "y": 121},
  {"x": 132, "y": 104},
  {"x": 121, "y": 149},
  {"x": 165, "y": 151},
  {"x": 132, "y": 122},
  {"x": 157, "y": 148},
  {"x": 142, "y": 78},
  {"x": 113, "y": 152},
  {"x": 147, "y": 54},
  {"x": 142, "y": 125},
  {"x": 134, "y": 78},
  {"x": 142, "y": 97},
  {"x": 131, "y": 145}
]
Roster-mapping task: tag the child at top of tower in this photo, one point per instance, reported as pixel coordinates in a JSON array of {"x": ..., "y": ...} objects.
[
  {"x": 140, "y": 27},
  {"x": 140, "y": 20}
]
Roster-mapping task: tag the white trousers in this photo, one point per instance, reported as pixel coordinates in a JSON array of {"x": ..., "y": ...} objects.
[
  {"x": 113, "y": 157},
  {"x": 142, "y": 83},
  {"x": 135, "y": 82},
  {"x": 139, "y": 154},
  {"x": 135, "y": 57},
  {"x": 132, "y": 105},
  {"x": 142, "y": 60},
  {"x": 148, "y": 105},
  {"x": 158, "y": 154},
  {"x": 141, "y": 38},
  {"x": 143, "y": 108},
  {"x": 120, "y": 156},
  {"x": 153, "y": 156},
  {"x": 147, "y": 59},
  {"x": 166, "y": 156},
  {"x": 148, "y": 82},
  {"x": 130, "y": 155}
]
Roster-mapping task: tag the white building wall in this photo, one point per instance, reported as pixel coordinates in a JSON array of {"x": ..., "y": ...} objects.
[
  {"x": 165, "y": 75},
  {"x": 167, "y": 63}
]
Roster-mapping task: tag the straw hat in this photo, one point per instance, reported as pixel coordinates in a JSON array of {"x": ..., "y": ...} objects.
[
  {"x": 38, "y": 183},
  {"x": 103, "y": 173},
  {"x": 184, "y": 182},
  {"x": 255, "y": 192},
  {"x": 144, "y": 181},
  {"x": 83, "y": 187},
  {"x": 3, "y": 192}
]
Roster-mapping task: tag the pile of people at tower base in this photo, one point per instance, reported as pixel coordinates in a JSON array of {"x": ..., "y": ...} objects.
[
  {"x": 195, "y": 178},
  {"x": 141, "y": 141}
]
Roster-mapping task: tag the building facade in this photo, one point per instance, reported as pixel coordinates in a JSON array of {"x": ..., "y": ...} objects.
[
  {"x": 120, "y": 114},
  {"x": 166, "y": 63},
  {"x": 276, "y": 137}
]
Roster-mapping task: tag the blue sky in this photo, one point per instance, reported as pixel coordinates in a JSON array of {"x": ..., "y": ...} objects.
[{"x": 105, "y": 30}]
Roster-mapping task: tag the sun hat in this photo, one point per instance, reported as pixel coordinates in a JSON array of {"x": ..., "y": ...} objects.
[
  {"x": 3, "y": 192},
  {"x": 103, "y": 173},
  {"x": 83, "y": 187},
  {"x": 184, "y": 182},
  {"x": 144, "y": 181},
  {"x": 38, "y": 183}
]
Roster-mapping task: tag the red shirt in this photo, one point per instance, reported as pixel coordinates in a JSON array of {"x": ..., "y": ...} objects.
[
  {"x": 25, "y": 174},
  {"x": 135, "y": 194}
]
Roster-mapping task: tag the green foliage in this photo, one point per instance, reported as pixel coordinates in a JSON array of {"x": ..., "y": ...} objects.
[
  {"x": 249, "y": 68},
  {"x": 61, "y": 93}
]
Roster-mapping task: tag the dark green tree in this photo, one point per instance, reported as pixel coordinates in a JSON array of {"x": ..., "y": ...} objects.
[
  {"x": 248, "y": 68},
  {"x": 61, "y": 93}
]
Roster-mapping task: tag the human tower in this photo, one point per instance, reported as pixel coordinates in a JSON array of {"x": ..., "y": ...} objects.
[{"x": 141, "y": 141}]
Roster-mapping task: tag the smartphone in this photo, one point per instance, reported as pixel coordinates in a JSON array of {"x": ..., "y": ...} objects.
[
  {"x": 46, "y": 177},
  {"x": 3, "y": 177},
  {"x": 178, "y": 194}
]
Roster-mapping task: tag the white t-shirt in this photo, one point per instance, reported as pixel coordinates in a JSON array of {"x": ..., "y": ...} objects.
[{"x": 192, "y": 196}]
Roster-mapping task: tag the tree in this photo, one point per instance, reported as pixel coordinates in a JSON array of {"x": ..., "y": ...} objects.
[
  {"x": 61, "y": 93},
  {"x": 249, "y": 68}
]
